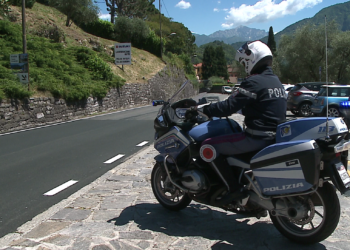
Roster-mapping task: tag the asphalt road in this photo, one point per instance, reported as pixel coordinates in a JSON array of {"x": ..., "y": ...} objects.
[{"x": 34, "y": 162}]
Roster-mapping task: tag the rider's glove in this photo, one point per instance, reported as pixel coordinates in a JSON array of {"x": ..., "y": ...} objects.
[
  {"x": 191, "y": 113},
  {"x": 204, "y": 110}
]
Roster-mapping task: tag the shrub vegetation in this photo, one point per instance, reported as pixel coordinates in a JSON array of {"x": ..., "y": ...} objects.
[{"x": 73, "y": 73}]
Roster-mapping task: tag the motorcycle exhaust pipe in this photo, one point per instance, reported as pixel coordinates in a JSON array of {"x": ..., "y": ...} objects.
[{"x": 264, "y": 203}]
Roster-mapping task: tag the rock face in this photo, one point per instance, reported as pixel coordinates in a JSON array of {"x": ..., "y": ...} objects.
[
  {"x": 33, "y": 112},
  {"x": 242, "y": 31}
]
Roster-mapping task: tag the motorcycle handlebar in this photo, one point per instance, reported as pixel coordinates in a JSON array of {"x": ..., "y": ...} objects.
[{"x": 157, "y": 102}]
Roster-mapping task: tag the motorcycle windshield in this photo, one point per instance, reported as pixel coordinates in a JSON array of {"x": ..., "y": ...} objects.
[{"x": 183, "y": 86}]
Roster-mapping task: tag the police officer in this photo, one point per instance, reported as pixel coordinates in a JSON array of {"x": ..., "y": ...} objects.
[{"x": 261, "y": 98}]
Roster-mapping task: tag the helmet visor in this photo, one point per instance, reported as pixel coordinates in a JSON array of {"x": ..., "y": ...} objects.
[{"x": 244, "y": 49}]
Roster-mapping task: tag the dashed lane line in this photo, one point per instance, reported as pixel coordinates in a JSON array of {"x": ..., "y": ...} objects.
[
  {"x": 121, "y": 155},
  {"x": 60, "y": 188},
  {"x": 114, "y": 159},
  {"x": 142, "y": 144}
]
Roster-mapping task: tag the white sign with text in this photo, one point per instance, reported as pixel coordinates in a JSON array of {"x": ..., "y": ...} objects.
[
  {"x": 122, "y": 52},
  {"x": 14, "y": 58}
]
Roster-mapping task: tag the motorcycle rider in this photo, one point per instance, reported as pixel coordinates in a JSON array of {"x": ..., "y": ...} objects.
[{"x": 261, "y": 97}]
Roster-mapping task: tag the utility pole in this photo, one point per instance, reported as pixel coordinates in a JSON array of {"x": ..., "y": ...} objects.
[
  {"x": 24, "y": 26},
  {"x": 160, "y": 28},
  {"x": 320, "y": 72},
  {"x": 26, "y": 68}
]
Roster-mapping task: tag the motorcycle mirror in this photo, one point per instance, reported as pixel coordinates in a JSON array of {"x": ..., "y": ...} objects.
[{"x": 157, "y": 102}]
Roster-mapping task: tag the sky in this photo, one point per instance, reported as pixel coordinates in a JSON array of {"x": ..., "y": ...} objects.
[{"x": 207, "y": 16}]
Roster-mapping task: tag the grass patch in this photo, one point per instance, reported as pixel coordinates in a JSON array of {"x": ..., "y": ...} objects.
[
  {"x": 55, "y": 63},
  {"x": 72, "y": 73}
]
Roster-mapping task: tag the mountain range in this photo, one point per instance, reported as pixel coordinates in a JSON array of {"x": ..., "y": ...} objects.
[
  {"x": 338, "y": 12},
  {"x": 241, "y": 33}
]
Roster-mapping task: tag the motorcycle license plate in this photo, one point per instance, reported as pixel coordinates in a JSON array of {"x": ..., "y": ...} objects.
[
  {"x": 342, "y": 146},
  {"x": 344, "y": 175}
]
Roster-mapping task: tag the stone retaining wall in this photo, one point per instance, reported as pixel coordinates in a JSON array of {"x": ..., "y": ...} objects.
[{"x": 33, "y": 112}]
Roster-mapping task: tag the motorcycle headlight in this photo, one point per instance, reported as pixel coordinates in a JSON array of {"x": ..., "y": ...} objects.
[{"x": 180, "y": 112}]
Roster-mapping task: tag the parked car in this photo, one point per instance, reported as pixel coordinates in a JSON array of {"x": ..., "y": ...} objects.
[
  {"x": 226, "y": 90},
  {"x": 287, "y": 87},
  {"x": 301, "y": 97},
  {"x": 237, "y": 85},
  {"x": 344, "y": 109},
  {"x": 336, "y": 94}
]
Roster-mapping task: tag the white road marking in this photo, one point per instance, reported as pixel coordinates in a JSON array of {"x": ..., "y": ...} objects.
[
  {"x": 142, "y": 144},
  {"x": 114, "y": 159},
  {"x": 60, "y": 188}
]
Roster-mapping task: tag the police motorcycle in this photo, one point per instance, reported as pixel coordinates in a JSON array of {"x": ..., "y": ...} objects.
[{"x": 295, "y": 179}]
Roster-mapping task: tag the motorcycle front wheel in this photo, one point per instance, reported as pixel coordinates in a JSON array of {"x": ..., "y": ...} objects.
[
  {"x": 168, "y": 195},
  {"x": 319, "y": 223}
]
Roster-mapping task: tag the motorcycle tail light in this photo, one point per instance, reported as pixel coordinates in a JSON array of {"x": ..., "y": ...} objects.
[{"x": 297, "y": 93}]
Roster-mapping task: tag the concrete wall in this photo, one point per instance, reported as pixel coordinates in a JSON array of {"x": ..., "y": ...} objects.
[{"x": 33, "y": 112}]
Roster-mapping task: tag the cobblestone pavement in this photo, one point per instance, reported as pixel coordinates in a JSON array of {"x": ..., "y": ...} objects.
[{"x": 119, "y": 211}]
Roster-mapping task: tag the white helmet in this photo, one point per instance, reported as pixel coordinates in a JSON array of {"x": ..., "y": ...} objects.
[{"x": 253, "y": 55}]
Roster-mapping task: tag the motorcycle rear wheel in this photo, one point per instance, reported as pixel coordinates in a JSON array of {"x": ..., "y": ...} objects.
[
  {"x": 323, "y": 221},
  {"x": 168, "y": 195}
]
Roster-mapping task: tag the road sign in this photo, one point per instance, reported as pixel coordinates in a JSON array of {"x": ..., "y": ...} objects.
[
  {"x": 20, "y": 67},
  {"x": 14, "y": 58},
  {"x": 23, "y": 77},
  {"x": 122, "y": 52}
]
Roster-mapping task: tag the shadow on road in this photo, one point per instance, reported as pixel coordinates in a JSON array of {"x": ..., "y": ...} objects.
[{"x": 231, "y": 231}]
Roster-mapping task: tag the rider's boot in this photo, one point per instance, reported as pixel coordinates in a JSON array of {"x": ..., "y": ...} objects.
[{"x": 235, "y": 193}]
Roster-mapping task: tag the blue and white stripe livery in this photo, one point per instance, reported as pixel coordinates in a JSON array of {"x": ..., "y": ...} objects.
[
  {"x": 286, "y": 175},
  {"x": 309, "y": 128},
  {"x": 284, "y": 148}
]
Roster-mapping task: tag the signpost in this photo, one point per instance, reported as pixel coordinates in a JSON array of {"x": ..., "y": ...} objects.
[
  {"x": 122, "y": 52},
  {"x": 20, "y": 67}
]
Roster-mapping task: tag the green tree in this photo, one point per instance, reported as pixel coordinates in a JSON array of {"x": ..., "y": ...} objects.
[
  {"x": 220, "y": 63},
  {"x": 111, "y": 5},
  {"x": 179, "y": 39},
  {"x": 132, "y": 30},
  {"x": 130, "y": 8},
  {"x": 229, "y": 50},
  {"x": 100, "y": 28},
  {"x": 45, "y": 2},
  {"x": 208, "y": 66},
  {"x": 29, "y": 3},
  {"x": 123, "y": 29},
  {"x": 4, "y": 8},
  {"x": 140, "y": 32},
  {"x": 152, "y": 43},
  {"x": 271, "y": 41},
  {"x": 188, "y": 66},
  {"x": 79, "y": 11},
  {"x": 142, "y": 9},
  {"x": 301, "y": 55},
  {"x": 339, "y": 58}
]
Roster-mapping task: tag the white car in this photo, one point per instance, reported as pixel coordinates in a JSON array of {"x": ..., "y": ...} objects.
[
  {"x": 226, "y": 90},
  {"x": 287, "y": 87}
]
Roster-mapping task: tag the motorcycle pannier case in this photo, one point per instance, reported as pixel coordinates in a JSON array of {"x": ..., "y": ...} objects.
[{"x": 287, "y": 167}]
